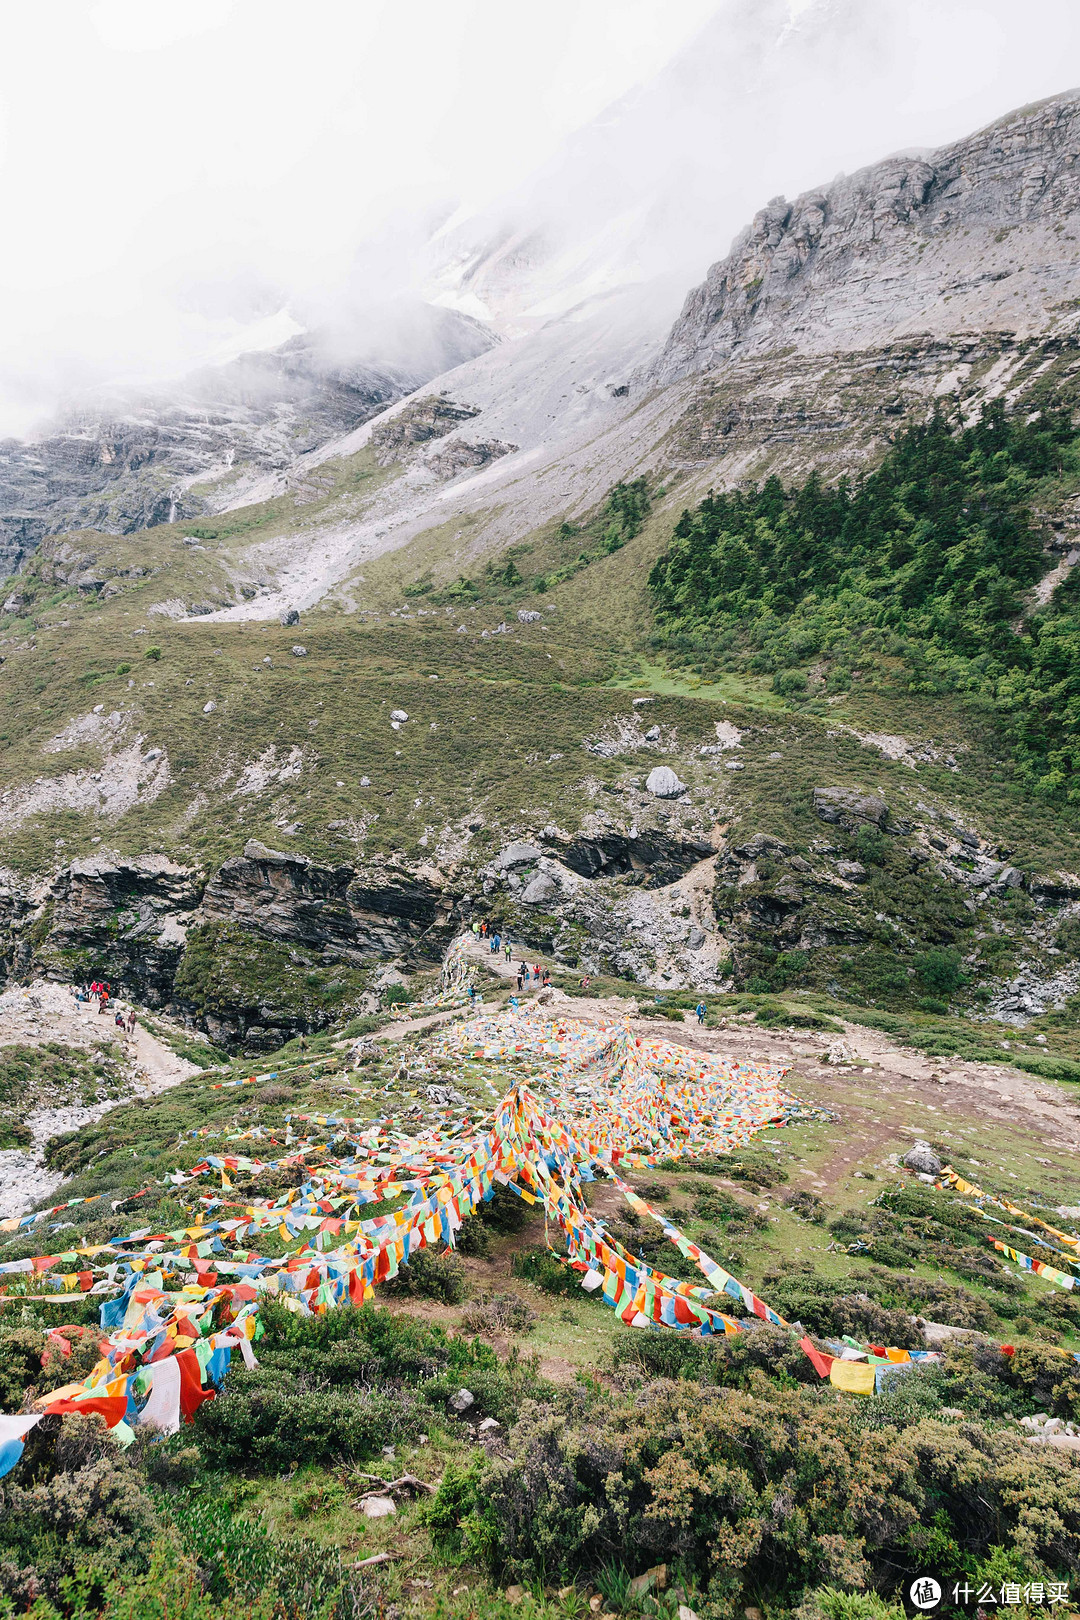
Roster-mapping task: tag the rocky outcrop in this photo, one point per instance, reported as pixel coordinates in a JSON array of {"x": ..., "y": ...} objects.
[
  {"x": 463, "y": 455},
  {"x": 973, "y": 238},
  {"x": 122, "y": 920},
  {"x": 416, "y": 425},
  {"x": 636, "y": 906},
  {"x": 381, "y": 911}
]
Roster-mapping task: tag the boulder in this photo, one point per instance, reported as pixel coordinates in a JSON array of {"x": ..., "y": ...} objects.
[
  {"x": 653, "y": 1580},
  {"x": 938, "y": 1334},
  {"x": 848, "y": 807},
  {"x": 516, "y": 855},
  {"x": 922, "y": 1158},
  {"x": 662, "y": 783},
  {"x": 254, "y": 850},
  {"x": 299, "y": 652},
  {"x": 398, "y": 714},
  {"x": 542, "y": 887},
  {"x": 462, "y": 1400},
  {"x": 379, "y": 1507},
  {"x": 289, "y": 618}
]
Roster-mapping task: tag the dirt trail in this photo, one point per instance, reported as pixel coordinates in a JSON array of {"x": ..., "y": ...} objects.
[{"x": 44, "y": 1012}]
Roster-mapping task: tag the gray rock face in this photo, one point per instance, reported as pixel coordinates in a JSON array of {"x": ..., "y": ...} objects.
[
  {"x": 663, "y": 783},
  {"x": 541, "y": 888},
  {"x": 289, "y": 618},
  {"x": 516, "y": 855},
  {"x": 849, "y": 808},
  {"x": 126, "y": 920},
  {"x": 926, "y": 245},
  {"x": 357, "y": 916},
  {"x": 923, "y": 1160}
]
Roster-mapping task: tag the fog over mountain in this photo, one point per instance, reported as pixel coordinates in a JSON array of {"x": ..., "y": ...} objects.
[{"x": 250, "y": 180}]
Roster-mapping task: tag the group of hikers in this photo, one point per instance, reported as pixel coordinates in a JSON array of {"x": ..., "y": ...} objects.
[
  {"x": 496, "y": 941},
  {"x": 101, "y": 992},
  {"x": 536, "y": 976}
]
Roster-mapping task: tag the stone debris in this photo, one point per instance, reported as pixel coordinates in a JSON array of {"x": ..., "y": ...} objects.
[
  {"x": 289, "y": 618},
  {"x": 299, "y": 652},
  {"x": 847, "y": 807}
]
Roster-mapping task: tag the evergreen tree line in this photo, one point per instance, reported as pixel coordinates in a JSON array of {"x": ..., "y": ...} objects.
[{"x": 930, "y": 561}]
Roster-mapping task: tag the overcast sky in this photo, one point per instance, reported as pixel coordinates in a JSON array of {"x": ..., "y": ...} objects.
[{"x": 170, "y": 172}]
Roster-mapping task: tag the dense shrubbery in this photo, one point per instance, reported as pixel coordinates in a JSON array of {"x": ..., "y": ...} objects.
[
  {"x": 927, "y": 559},
  {"x": 342, "y": 1386},
  {"x": 432, "y": 1274},
  {"x": 759, "y": 1492}
]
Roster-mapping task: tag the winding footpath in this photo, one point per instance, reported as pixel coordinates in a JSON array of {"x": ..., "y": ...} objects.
[{"x": 31, "y": 1016}]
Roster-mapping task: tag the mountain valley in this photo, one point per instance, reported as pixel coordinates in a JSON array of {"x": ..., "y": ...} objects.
[{"x": 722, "y": 661}]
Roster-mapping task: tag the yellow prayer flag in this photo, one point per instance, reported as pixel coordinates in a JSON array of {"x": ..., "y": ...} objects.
[{"x": 857, "y": 1377}]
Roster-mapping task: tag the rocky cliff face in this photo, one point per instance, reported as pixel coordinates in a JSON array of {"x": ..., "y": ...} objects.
[
  {"x": 130, "y": 464},
  {"x": 978, "y": 237},
  {"x": 123, "y": 920},
  {"x": 221, "y": 952},
  {"x": 344, "y": 914}
]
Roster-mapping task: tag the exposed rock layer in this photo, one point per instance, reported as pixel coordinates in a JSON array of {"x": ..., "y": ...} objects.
[{"x": 976, "y": 237}]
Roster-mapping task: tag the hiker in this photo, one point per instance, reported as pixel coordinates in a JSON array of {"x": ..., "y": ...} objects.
[
  {"x": 476, "y": 929},
  {"x": 547, "y": 980},
  {"x": 536, "y": 972},
  {"x": 496, "y": 941},
  {"x": 119, "y": 1020},
  {"x": 701, "y": 1010},
  {"x": 483, "y": 929},
  {"x": 585, "y": 982},
  {"x": 470, "y": 991},
  {"x": 514, "y": 1003},
  {"x": 103, "y": 1003},
  {"x": 131, "y": 1022},
  {"x": 520, "y": 981},
  {"x": 509, "y": 948}
]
